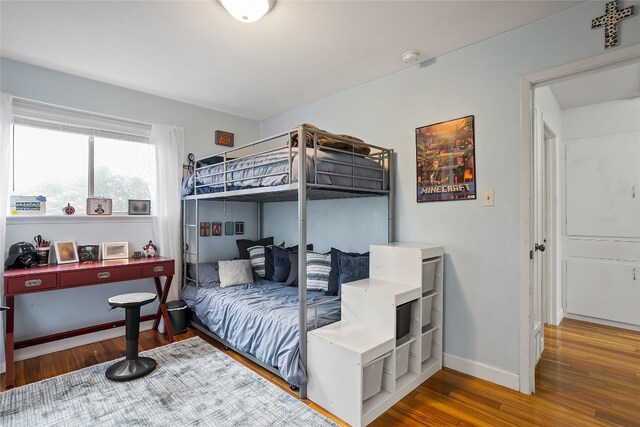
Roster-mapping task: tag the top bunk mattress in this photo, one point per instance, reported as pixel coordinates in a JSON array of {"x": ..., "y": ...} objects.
[{"x": 272, "y": 169}]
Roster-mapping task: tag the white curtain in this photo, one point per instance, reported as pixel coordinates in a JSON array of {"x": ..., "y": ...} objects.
[
  {"x": 5, "y": 164},
  {"x": 169, "y": 147}
]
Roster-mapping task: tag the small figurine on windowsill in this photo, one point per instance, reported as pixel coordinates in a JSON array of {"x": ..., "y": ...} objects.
[
  {"x": 68, "y": 210},
  {"x": 150, "y": 250}
]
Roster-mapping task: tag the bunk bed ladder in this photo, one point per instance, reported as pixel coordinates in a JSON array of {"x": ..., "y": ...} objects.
[{"x": 187, "y": 251}]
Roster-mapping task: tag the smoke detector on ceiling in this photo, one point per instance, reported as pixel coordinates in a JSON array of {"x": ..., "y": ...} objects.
[{"x": 410, "y": 57}]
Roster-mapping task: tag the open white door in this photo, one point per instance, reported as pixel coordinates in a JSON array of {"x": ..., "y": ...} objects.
[{"x": 538, "y": 256}]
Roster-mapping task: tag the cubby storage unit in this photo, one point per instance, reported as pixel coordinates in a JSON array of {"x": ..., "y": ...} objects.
[
  {"x": 359, "y": 367},
  {"x": 346, "y": 371}
]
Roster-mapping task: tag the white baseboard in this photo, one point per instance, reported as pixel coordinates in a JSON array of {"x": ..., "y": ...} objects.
[
  {"x": 482, "y": 371},
  {"x": 67, "y": 343},
  {"x": 560, "y": 316},
  {"x": 603, "y": 322}
]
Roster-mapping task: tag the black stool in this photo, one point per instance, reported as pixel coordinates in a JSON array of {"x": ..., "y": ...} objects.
[{"x": 132, "y": 366}]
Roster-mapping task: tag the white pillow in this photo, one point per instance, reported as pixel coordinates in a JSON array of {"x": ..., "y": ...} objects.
[{"x": 237, "y": 272}]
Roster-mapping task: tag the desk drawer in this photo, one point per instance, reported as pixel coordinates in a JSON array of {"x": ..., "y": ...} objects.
[
  {"x": 100, "y": 275},
  {"x": 32, "y": 283},
  {"x": 159, "y": 269}
]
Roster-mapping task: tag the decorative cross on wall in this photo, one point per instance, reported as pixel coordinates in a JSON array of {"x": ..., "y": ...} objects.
[{"x": 610, "y": 21}]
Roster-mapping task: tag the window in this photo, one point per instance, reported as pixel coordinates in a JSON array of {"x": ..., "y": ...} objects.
[{"x": 67, "y": 164}]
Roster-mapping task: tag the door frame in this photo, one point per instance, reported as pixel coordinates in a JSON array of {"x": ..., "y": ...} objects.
[{"x": 605, "y": 60}]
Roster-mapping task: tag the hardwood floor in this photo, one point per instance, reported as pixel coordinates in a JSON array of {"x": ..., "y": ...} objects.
[{"x": 589, "y": 375}]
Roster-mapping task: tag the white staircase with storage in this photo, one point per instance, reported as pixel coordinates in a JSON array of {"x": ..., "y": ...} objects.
[{"x": 389, "y": 340}]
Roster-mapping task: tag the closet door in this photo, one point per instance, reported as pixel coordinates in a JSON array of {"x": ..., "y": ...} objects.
[
  {"x": 604, "y": 289},
  {"x": 603, "y": 187}
]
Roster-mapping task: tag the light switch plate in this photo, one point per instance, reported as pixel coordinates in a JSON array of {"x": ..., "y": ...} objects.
[{"x": 487, "y": 199}]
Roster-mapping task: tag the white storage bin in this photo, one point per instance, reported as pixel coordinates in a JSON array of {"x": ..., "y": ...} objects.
[
  {"x": 427, "y": 343},
  {"x": 372, "y": 377},
  {"x": 428, "y": 275},
  {"x": 427, "y": 303},
  {"x": 402, "y": 358}
]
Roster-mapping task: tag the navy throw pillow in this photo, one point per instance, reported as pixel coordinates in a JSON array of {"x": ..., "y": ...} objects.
[
  {"x": 334, "y": 275},
  {"x": 353, "y": 267},
  {"x": 268, "y": 263},
  {"x": 281, "y": 264}
]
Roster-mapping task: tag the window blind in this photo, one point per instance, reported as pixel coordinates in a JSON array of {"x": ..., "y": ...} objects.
[{"x": 37, "y": 114}]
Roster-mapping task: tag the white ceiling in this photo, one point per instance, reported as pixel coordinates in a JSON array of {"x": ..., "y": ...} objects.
[
  {"x": 193, "y": 51},
  {"x": 601, "y": 86}
]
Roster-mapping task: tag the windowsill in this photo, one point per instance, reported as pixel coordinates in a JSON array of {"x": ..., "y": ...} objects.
[{"x": 77, "y": 219}]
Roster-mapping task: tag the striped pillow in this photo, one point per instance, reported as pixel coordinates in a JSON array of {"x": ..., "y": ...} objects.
[
  {"x": 258, "y": 261},
  {"x": 318, "y": 269}
]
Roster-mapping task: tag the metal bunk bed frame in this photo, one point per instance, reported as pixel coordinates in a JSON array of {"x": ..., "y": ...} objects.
[{"x": 300, "y": 191}]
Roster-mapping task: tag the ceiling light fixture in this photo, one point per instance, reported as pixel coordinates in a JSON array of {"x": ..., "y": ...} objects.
[{"x": 247, "y": 11}]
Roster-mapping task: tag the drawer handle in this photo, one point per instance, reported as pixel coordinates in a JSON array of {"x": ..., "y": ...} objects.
[
  {"x": 104, "y": 275},
  {"x": 32, "y": 283},
  {"x": 158, "y": 268}
]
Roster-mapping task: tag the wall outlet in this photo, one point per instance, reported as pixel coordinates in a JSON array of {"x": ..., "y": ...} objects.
[{"x": 487, "y": 198}]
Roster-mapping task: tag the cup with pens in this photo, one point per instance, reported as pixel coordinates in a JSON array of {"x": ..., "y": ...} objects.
[{"x": 42, "y": 250}]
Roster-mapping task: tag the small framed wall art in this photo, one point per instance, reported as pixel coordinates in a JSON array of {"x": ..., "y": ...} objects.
[
  {"x": 216, "y": 229},
  {"x": 65, "y": 252},
  {"x": 205, "y": 229},
  {"x": 239, "y": 227},
  {"x": 99, "y": 206},
  {"x": 114, "y": 250},
  {"x": 446, "y": 161},
  {"x": 229, "y": 228},
  {"x": 139, "y": 207},
  {"x": 224, "y": 138}
]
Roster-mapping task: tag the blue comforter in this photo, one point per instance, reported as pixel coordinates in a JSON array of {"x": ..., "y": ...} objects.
[
  {"x": 272, "y": 168},
  {"x": 260, "y": 319}
]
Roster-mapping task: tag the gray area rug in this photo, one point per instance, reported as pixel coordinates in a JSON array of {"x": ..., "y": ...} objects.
[{"x": 194, "y": 384}]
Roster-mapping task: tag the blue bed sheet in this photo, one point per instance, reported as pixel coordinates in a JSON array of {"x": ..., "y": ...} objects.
[{"x": 260, "y": 319}]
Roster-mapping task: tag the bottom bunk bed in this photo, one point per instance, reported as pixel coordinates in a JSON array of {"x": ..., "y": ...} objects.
[{"x": 260, "y": 320}]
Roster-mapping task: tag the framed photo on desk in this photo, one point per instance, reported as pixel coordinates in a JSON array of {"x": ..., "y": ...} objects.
[
  {"x": 114, "y": 250},
  {"x": 65, "y": 252}
]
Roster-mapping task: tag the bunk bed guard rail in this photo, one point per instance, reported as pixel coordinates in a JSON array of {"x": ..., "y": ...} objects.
[{"x": 233, "y": 168}]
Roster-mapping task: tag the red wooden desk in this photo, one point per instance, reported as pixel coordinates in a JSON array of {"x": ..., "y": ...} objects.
[{"x": 52, "y": 277}]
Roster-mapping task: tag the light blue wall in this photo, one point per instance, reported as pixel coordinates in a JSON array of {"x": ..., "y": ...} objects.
[
  {"x": 51, "y": 312},
  {"x": 482, "y": 244},
  {"x": 347, "y": 224}
]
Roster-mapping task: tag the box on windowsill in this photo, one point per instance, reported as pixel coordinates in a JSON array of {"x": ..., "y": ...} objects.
[{"x": 27, "y": 205}]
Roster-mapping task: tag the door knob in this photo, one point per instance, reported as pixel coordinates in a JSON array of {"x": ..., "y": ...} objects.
[{"x": 540, "y": 248}]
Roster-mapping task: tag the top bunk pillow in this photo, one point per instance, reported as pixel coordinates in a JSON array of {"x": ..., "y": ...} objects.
[
  {"x": 245, "y": 244},
  {"x": 236, "y": 272},
  {"x": 328, "y": 141}
]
